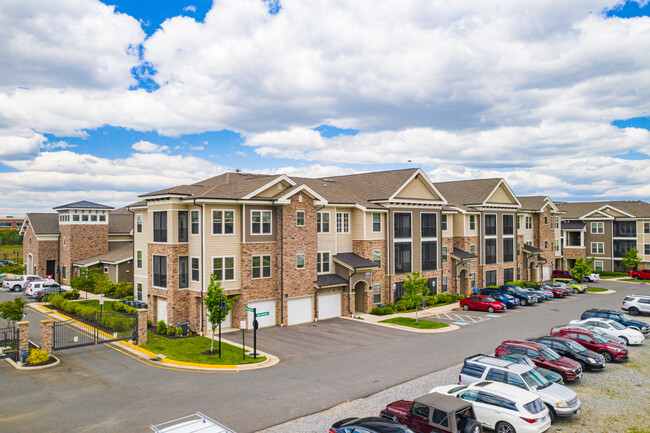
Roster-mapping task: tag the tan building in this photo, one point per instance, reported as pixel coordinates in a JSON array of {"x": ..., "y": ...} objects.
[{"x": 80, "y": 234}]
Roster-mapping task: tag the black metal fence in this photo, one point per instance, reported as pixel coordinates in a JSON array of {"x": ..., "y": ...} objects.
[
  {"x": 95, "y": 328},
  {"x": 9, "y": 343}
]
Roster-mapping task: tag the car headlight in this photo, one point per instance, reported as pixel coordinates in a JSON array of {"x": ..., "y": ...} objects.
[
  {"x": 562, "y": 404},
  {"x": 616, "y": 349},
  {"x": 566, "y": 368},
  {"x": 591, "y": 360}
]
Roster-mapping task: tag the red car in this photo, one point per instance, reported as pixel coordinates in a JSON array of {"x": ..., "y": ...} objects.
[
  {"x": 543, "y": 357},
  {"x": 483, "y": 303},
  {"x": 611, "y": 351},
  {"x": 557, "y": 293}
]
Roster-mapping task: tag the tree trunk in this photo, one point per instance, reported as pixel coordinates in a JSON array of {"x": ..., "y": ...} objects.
[{"x": 212, "y": 343}]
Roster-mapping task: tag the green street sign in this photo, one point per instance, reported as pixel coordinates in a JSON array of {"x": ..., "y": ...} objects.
[
  {"x": 248, "y": 309},
  {"x": 262, "y": 314}
]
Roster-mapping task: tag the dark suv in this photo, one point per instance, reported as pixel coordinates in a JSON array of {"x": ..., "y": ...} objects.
[
  {"x": 524, "y": 297},
  {"x": 611, "y": 351},
  {"x": 588, "y": 359},
  {"x": 543, "y": 357},
  {"x": 617, "y": 316}
]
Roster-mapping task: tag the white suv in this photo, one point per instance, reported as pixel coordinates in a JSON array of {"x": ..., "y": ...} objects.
[
  {"x": 503, "y": 408},
  {"x": 637, "y": 304},
  {"x": 560, "y": 400}
]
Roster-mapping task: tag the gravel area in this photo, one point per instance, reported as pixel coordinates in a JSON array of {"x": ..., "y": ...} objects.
[{"x": 615, "y": 400}]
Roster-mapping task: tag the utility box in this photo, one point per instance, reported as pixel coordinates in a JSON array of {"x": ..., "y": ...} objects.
[{"x": 185, "y": 328}]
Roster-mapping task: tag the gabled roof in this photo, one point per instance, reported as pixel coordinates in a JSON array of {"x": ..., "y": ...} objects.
[
  {"x": 83, "y": 204},
  {"x": 120, "y": 223},
  {"x": 468, "y": 192},
  {"x": 576, "y": 210},
  {"x": 43, "y": 223},
  {"x": 118, "y": 252},
  {"x": 537, "y": 203},
  {"x": 462, "y": 255},
  {"x": 531, "y": 249}
]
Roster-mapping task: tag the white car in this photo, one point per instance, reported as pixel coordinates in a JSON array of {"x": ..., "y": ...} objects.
[
  {"x": 20, "y": 283},
  {"x": 36, "y": 285},
  {"x": 503, "y": 408},
  {"x": 613, "y": 328},
  {"x": 592, "y": 277}
]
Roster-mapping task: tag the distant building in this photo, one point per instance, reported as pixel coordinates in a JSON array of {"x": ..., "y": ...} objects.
[{"x": 10, "y": 222}]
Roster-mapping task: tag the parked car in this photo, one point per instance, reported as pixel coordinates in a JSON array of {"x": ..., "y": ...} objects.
[
  {"x": 614, "y": 329},
  {"x": 561, "y": 286},
  {"x": 588, "y": 359},
  {"x": 636, "y": 304},
  {"x": 556, "y": 292},
  {"x": 598, "y": 331},
  {"x": 592, "y": 341},
  {"x": 35, "y": 285},
  {"x": 369, "y": 425},
  {"x": 509, "y": 300},
  {"x": 20, "y": 283},
  {"x": 482, "y": 303},
  {"x": 576, "y": 286},
  {"x": 642, "y": 274},
  {"x": 559, "y": 273},
  {"x": 7, "y": 262},
  {"x": 524, "y": 297},
  {"x": 542, "y": 294},
  {"x": 195, "y": 423},
  {"x": 543, "y": 357},
  {"x": 47, "y": 288},
  {"x": 560, "y": 400},
  {"x": 617, "y": 316},
  {"x": 503, "y": 408},
  {"x": 434, "y": 413},
  {"x": 549, "y": 375},
  {"x": 592, "y": 277}
]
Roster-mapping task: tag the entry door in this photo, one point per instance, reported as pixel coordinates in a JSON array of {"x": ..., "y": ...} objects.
[
  {"x": 162, "y": 310},
  {"x": 546, "y": 273},
  {"x": 50, "y": 268}
]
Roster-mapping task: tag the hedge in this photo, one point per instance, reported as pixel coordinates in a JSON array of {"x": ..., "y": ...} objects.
[{"x": 611, "y": 274}]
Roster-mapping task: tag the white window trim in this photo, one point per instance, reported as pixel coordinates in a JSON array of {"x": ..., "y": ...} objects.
[
  {"x": 444, "y": 260},
  {"x": 223, "y": 222},
  {"x": 304, "y": 218},
  {"x": 304, "y": 264},
  {"x": 372, "y": 223},
  {"x": 470, "y": 248},
  {"x": 329, "y": 255},
  {"x": 136, "y": 259},
  {"x": 166, "y": 273},
  {"x": 141, "y": 223},
  {"x": 496, "y": 272},
  {"x": 597, "y": 225},
  {"x": 376, "y": 293},
  {"x": 596, "y": 244},
  {"x": 469, "y": 223},
  {"x": 446, "y": 222},
  {"x": 261, "y": 256},
  {"x": 199, "y": 259},
  {"x": 343, "y": 231},
  {"x": 596, "y": 263},
  {"x": 514, "y": 230},
  {"x": 261, "y": 212},
  {"x": 320, "y": 225},
  {"x": 234, "y": 266},
  {"x": 64, "y": 272},
  {"x": 190, "y": 223},
  {"x": 64, "y": 241},
  {"x": 528, "y": 222}
]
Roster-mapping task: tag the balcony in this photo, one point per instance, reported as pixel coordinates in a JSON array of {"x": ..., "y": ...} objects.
[{"x": 624, "y": 229}]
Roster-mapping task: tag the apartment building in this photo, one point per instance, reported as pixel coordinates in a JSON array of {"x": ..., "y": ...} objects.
[
  {"x": 605, "y": 231},
  {"x": 9, "y": 222},
  {"x": 81, "y": 234},
  {"x": 539, "y": 222},
  {"x": 307, "y": 249}
]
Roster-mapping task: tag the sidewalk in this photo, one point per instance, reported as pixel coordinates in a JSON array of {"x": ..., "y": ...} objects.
[{"x": 372, "y": 319}]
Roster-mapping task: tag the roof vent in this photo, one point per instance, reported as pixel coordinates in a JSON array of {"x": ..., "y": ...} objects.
[
  {"x": 238, "y": 170},
  {"x": 328, "y": 180}
]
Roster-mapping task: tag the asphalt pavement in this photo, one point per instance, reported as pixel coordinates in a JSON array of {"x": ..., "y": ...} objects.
[{"x": 98, "y": 389}]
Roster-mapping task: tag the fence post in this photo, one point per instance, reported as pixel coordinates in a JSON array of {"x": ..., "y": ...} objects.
[
  {"x": 23, "y": 335},
  {"x": 142, "y": 326},
  {"x": 46, "y": 335}
]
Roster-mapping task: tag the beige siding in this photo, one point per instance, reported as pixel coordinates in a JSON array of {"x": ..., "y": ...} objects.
[
  {"x": 119, "y": 238},
  {"x": 344, "y": 240},
  {"x": 461, "y": 223},
  {"x": 642, "y": 240},
  {"x": 223, "y": 245},
  {"x": 417, "y": 189},
  {"x": 194, "y": 247},
  {"x": 450, "y": 226},
  {"x": 140, "y": 241},
  {"x": 369, "y": 233},
  {"x": 356, "y": 225},
  {"x": 501, "y": 196},
  {"x": 273, "y": 190}
]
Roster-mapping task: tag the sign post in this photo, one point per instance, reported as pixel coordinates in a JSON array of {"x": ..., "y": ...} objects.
[
  {"x": 242, "y": 325},
  {"x": 101, "y": 302}
]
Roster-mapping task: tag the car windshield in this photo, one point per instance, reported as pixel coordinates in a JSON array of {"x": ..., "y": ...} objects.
[
  {"x": 526, "y": 361},
  {"x": 549, "y": 354},
  {"x": 572, "y": 282},
  {"x": 616, "y": 325},
  {"x": 575, "y": 346},
  {"x": 535, "y": 380},
  {"x": 489, "y": 300},
  {"x": 599, "y": 339},
  {"x": 510, "y": 297}
]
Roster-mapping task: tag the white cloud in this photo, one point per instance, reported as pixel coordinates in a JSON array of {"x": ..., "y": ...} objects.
[
  {"x": 58, "y": 145},
  {"x": 197, "y": 147},
  {"x": 190, "y": 8},
  {"x": 148, "y": 147}
]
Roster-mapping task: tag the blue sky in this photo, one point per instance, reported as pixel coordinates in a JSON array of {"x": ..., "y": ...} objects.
[{"x": 161, "y": 93}]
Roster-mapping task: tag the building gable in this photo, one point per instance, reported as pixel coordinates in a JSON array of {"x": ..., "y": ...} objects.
[
  {"x": 597, "y": 215},
  {"x": 274, "y": 190},
  {"x": 419, "y": 189},
  {"x": 502, "y": 195},
  {"x": 616, "y": 213}
]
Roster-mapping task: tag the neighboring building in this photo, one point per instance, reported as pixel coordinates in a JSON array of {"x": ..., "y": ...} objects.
[
  {"x": 10, "y": 222},
  {"x": 605, "y": 231},
  {"x": 81, "y": 234}
]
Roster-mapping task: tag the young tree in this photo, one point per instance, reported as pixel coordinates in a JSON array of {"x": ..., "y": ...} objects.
[
  {"x": 415, "y": 284},
  {"x": 13, "y": 311},
  {"x": 86, "y": 279},
  {"x": 581, "y": 268},
  {"x": 631, "y": 259},
  {"x": 217, "y": 305}
]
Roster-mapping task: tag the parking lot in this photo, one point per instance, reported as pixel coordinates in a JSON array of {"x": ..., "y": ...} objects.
[{"x": 321, "y": 365}]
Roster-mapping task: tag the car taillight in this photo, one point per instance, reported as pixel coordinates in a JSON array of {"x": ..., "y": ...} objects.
[
  {"x": 332, "y": 431},
  {"x": 529, "y": 420},
  {"x": 459, "y": 378}
]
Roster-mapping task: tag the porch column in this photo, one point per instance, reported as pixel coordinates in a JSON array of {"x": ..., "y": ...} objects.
[
  {"x": 142, "y": 326},
  {"x": 23, "y": 335},
  {"x": 46, "y": 336}
]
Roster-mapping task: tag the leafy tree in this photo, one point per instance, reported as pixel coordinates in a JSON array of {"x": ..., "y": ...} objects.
[
  {"x": 214, "y": 297},
  {"x": 12, "y": 269},
  {"x": 631, "y": 259},
  {"x": 581, "y": 268},
  {"x": 13, "y": 311},
  {"x": 415, "y": 284},
  {"x": 86, "y": 279},
  {"x": 10, "y": 237}
]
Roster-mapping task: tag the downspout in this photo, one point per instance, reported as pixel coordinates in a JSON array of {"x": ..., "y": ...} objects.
[
  {"x": 350, "y": 290},
  {"x": 202, "y": 258},
  {"x": 281, "y": 209}
]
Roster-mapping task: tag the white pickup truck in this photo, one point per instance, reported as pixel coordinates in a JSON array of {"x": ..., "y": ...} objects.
[{"x": 20, "y": 283}]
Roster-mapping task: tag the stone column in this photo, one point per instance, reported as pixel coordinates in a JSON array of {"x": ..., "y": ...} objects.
[
  {"x": 142, "y": 326},
  {"x": 23, "y": 337},
  {"x": 46, "y": 336}
]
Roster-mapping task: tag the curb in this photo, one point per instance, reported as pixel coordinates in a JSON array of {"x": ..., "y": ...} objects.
[
  {"x": 407, "y": 328},
  {"x": 607, "y": 292}
]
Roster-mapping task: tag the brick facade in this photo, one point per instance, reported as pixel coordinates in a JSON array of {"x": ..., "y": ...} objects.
[
  {"x": 81, "y": 241},
  {"x": 41, "y": 252},
  {"x": 177, "y": 299},
  {"x": 365, "y": 248}
]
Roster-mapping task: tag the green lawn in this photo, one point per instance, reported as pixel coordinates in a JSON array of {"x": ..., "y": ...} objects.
[
  {"x": 108, "y": 305},
  {"x": 421, "y": 324},
  {"x": 596, "y": 289},
  {"x": 609, "y": 277},
  {"x": 12, "y": 247},
  {"x": 189, "y": 350}
]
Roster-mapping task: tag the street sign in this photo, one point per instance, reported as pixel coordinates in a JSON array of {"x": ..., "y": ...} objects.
[
  {"x": 262, "y": 314},
  {"x": 101, "y": 300},
  {"x": 249, "y": 309}
]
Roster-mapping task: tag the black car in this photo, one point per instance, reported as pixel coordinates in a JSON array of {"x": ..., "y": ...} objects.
[
  {"x": 588, "y": 359},
  {"x": 370, "y": 424}
]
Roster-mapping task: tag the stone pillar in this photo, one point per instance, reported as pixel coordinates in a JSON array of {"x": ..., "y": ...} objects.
[
  {"x": 46, "y": 336},
  {"x": 23, "y": 335},
  {"x": 142, "y": 326}
]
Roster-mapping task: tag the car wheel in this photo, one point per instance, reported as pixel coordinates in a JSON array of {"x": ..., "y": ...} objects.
[
  {"x": 583, "y": 366},
  {"x": 524, "y": 302},
  {"x": 473, "y": 426},
  {"x": 635, "y": 277},
  {"x": 626, "y": 341},
  {"x": 634, "y": 311},
  {"x": 504, "y": 427},
  {"x": 608, "y": 356},
  {"x": 15, "y": 288},
  {"x": 576, "y": 291},
  {"x": 465, "y": 307},
  {"x": 490, "y": 309},
  {"x": 551, "y": 413}
]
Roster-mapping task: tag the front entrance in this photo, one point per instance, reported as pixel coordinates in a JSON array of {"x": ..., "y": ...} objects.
[
  {"x": 360, "y": 296},
  {"x": 162, "y": 310},
  {"x": 463, "y": 283},
  {"x": 96, "y": 328},
  {"x": 50, "y": 268},
  {"x": 532, "y": 272}
]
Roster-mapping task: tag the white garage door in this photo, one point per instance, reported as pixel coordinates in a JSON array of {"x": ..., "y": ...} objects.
[
  {"x": 329, "y": 306},
  {"x": 299, "y": 310},
  {"x": 225, "y": 324},
  {"x": 162, "y": 310},
  {"x": 262, "y": 307},
  {"x": 546, "y": 273}
]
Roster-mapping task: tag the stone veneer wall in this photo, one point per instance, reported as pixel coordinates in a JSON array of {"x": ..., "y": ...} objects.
[
  {"x": 82, "y": 241},
  {"x": 41, "y": 252},
  {"x": 364, "y": 248},
  {"x": 545, "y": 233},
  {"x": 463, "y": 243},
  {"x": 177, "y": 300}
]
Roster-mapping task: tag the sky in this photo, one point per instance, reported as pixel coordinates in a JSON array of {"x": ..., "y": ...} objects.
[{"x": 104, "y": 101}]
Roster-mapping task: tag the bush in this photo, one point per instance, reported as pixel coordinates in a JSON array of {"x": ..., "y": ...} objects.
[
  {"x": 12, "y": 269},
  {"x": 129, "y": 298},
  {"x": 118, "y": 306},
  {"x": 171, "y": 330},
  {"x": 611, "y": 274},
  {"x": 162, "y": 327},
  {"x": 149, "y": 323},
  {"x": 179, "y": 331},
  {"x": 442, "y": 299},
  {"x": 122, "y": 290},
  {"x": 37, "y": 357},
  {"x": 387, "y": 310},
  {"x": 377, "y": 311},
  {"x": 390, "y": 304},
  {"x": 400, "y": 306},
  {"x": 72, "y": 294}
]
